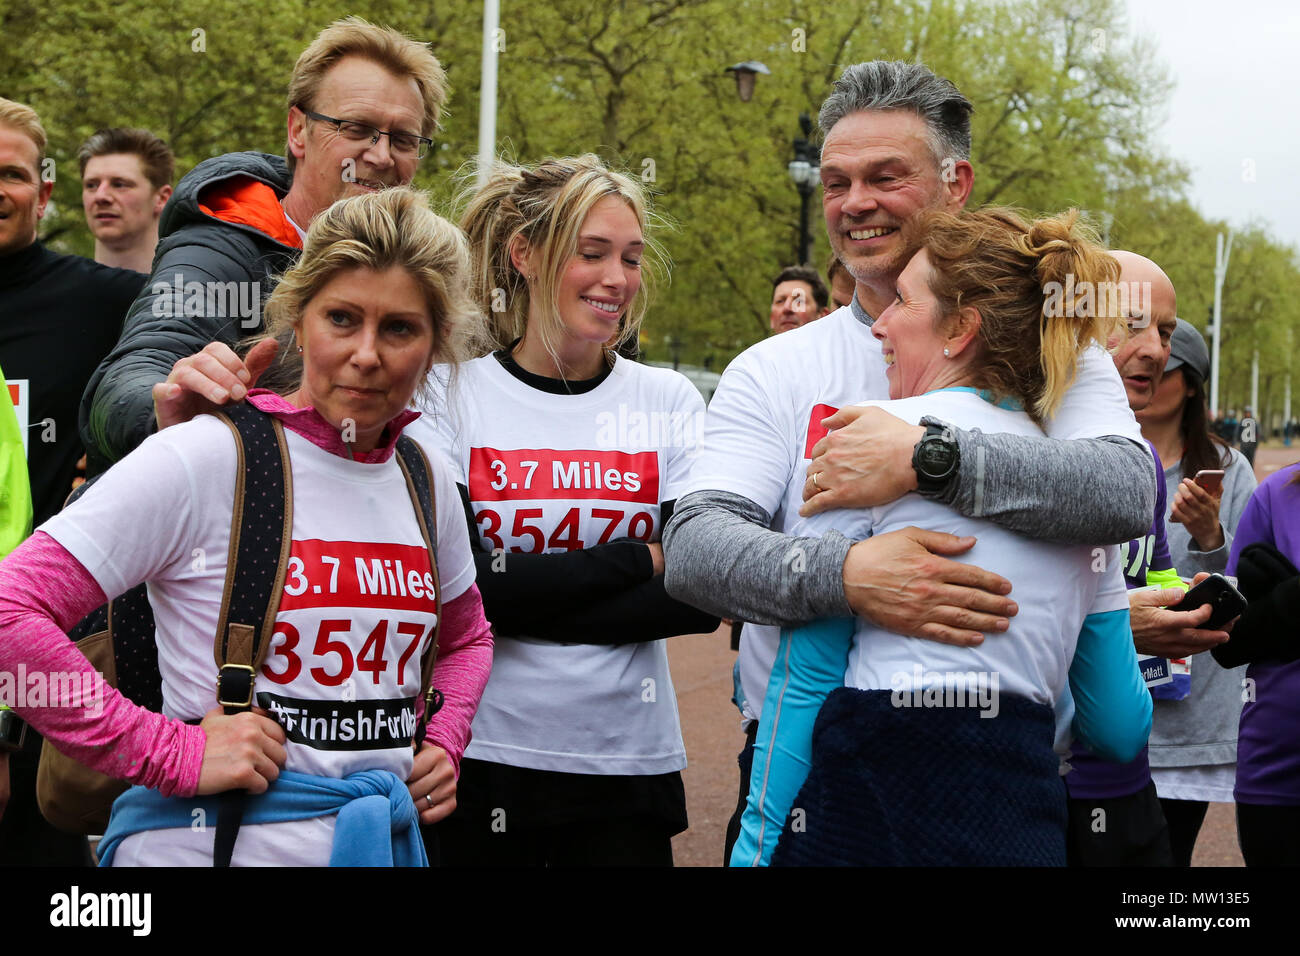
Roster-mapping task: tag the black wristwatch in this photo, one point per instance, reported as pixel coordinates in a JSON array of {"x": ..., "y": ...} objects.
[
  {"x": 13, "y": 730},
  {"x": 936, "y": 458}
]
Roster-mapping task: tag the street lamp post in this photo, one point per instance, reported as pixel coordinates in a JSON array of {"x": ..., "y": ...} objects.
[
  {"x": 1221, "y": 255},
  {"x": 746, "y": 75},
  {"x": 675, "y": 350},
  {"x": 487, "y": 105},
  {"x": 805, "y": 170}
]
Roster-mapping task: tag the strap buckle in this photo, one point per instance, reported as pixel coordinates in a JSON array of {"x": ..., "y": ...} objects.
[{"x": 238, "y": 680}]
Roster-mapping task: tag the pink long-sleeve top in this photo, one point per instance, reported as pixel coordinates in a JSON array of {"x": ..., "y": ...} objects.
[{"x": 44, "y": 591}]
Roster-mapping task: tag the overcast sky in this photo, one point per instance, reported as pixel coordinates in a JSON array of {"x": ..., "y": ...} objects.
[{"x": 1236, "y": 64}]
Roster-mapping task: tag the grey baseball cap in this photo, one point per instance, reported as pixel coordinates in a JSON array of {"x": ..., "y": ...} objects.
[{"x": 1187, "y": 347}]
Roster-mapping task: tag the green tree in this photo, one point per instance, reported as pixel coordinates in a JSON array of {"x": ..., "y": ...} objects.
[{"x": 1066, "y": 99}]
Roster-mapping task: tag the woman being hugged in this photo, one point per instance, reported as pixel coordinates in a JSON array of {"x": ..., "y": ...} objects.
[
  {"x": 379, "y": 294},
  {"x": 925, "y": 753},
  {"x": 569, "y": 457}
]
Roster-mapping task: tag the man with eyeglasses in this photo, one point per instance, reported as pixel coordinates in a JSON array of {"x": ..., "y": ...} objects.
[{"x": 363, "y": 102}]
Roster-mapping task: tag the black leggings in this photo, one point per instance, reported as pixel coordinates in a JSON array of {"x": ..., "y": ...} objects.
[
  {"x": 1118, "y": 831},
  {"x": 1269, "y": 835},
  {"x": 513, "y": 816},
  {"x": 1184, "y": 818},
  {"x": 746, "y": 761}
]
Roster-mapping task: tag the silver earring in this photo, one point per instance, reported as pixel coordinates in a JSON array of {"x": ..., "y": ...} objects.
[
  {"x": 945, "y": 352},
  {"x": 300, "y": 350}
]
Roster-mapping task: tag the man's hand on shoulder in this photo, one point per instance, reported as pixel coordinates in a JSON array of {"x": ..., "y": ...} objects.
[
  {"x": 900, "y": 582},
  {"x": 865, "y": 461},
  {"x": 207, "y": 380}
]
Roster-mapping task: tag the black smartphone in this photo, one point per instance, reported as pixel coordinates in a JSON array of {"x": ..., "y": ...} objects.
[{"x": 1218, "y": 592}]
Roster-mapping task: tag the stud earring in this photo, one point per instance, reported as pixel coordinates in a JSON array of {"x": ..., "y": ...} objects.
[{"x": 945, "y": 353}]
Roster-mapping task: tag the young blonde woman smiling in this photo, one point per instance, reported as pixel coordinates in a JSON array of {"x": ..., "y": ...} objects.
[{"x": 569, "y": 457}]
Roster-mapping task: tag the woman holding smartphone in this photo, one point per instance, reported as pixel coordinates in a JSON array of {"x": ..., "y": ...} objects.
[{"x": 1193, "y": 749}]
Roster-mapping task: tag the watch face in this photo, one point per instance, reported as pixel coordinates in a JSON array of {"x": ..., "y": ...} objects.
[
  {"x": 11, "y": 731},
  {"x": 934, "y": 457}
]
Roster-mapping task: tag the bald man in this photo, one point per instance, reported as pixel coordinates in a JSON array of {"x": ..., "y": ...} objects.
[
  {"x": 1152, "y": 314},
  {"x": 1116, "y": 818}
]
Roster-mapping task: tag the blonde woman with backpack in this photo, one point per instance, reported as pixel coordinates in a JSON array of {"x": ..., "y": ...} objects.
[{"x": 379, "y": 294}]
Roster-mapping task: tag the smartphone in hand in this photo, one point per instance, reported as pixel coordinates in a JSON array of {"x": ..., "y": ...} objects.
[
  {"x": 1211, "y": 479},
  {"x": 1217, "y": 591}
]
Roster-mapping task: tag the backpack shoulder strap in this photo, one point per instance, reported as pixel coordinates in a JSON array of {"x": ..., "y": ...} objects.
[
  {"x": 261, "y": 526},
  {"x": 419, "y": 484}
]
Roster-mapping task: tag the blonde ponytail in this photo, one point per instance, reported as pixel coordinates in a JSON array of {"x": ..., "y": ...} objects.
[{"x": 1076, "y": 275}]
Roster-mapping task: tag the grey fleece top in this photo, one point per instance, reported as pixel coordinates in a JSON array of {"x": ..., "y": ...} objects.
[
  {"x": 1202, "y": 729},
  {"x": 722, "y": 557}
]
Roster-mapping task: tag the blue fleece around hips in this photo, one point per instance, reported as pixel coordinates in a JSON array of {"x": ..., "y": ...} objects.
[{"x": 377, "y": 823}]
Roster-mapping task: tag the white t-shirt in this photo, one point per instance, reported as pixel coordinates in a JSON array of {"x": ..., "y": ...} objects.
[
  {"x": 343, "y": 669},
  {"x": 1056, "y": 586},
  {"x": 765, "y": 418},
  {"x": 548, "y": 473}
]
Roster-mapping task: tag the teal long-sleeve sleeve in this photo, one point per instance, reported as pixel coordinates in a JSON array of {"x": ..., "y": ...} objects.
[{"x": 1112, "y": 706}]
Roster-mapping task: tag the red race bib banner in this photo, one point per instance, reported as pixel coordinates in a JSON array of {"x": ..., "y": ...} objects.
[
  {"x": 816, "y": 430},
  {"x": 358, "y": 574},
  {"x": 532, "y": 474}
]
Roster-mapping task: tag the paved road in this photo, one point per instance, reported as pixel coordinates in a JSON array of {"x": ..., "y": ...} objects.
[{"x": 701, "y": 669}]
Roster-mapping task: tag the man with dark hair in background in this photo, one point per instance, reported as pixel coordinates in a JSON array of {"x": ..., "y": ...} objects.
[
  {"x": 798, "y": 297},
  {"x": 842, "y": 284},
  {"x": 126, "y": 180}
]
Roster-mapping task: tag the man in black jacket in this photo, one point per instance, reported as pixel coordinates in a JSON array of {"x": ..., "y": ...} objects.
[
  {"x": 363, "y": 101},
  {"x": 59, "y": 316}
]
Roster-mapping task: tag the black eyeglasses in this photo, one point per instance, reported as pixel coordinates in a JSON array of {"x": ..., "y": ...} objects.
[{"x": 403, "y": 143}]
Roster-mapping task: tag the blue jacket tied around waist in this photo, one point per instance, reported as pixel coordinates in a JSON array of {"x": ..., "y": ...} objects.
[{"x": 377, "y": 823}]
